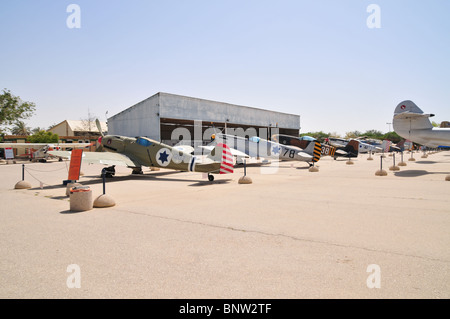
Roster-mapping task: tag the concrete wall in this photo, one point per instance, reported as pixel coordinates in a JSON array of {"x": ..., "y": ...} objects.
[
  {"x": 183, "y": 107},
  {"x": 139, "y": 120},
  {"x": 62, "y": 129}
]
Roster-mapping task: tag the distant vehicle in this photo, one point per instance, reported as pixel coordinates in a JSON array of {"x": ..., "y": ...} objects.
[
  {"x": 411, "y": 123},
  {"x": 135, "y": 152}
]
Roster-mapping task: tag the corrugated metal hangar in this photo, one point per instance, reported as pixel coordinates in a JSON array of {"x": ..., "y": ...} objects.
[{"x": 157, "y": 117}]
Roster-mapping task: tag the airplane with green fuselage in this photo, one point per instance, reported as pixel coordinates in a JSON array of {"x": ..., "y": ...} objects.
[{"x": 142, "y": 151}]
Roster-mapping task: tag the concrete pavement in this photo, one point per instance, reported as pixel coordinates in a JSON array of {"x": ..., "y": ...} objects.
[{"x": 291, "y": 234}]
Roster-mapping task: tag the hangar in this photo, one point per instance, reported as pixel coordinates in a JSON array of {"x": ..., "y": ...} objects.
[{"x": 157, "y": 116}]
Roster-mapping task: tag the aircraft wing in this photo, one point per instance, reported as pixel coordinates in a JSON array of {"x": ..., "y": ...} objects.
[
  {"x": 411, "y": 115},
  {"x": 39, "y": 145},
  {"x": 341, "y": 152},
  {"x": 234, "y": 151},
  {"x": 106, "y": 158},
  {"x": 71, "y": 145},
  {"x": 304, "y": 154}
]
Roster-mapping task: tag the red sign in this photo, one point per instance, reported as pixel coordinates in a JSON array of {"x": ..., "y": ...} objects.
[{"x": 75, "y": 164}]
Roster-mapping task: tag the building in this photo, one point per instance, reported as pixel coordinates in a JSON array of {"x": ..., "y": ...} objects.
[
  {"x": 158, "y": 116},
  {"x": 79, "y": 131},
  {"x": 69, "y": 131},
  {"x": 78, "y": 128}
]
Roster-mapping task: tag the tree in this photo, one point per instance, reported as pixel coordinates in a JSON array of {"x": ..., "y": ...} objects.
[
  {"x": 392, "y": 136},
  {"x": 373, "y": 134},
  {"x": 12, "y": 108},
  {"x": 353, "y": 134},
  {"x": 37, "y": 129},
  {"x": 20, "y": 128},
  {"x": 43, "y": 137},
  {"x": 320, "y": 136}
]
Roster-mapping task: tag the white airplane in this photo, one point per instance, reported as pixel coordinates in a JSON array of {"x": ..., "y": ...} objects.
[
  {"x": 41, "y": 154},
  {"x": 258, "y": 147},
  {"x": 411, "y": 123}
]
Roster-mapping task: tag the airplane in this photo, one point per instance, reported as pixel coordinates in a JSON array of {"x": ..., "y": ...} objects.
[
  {"x": 135, "y": 152},
  {"x": 375, "y": 145},
  {"x": 343, "y": 147},
  {"x": 39, "y": 151},
  {"x": 411, "y": 123},
  {"x": 258, "y": 147},
  {"x": 303, "y": 142}
]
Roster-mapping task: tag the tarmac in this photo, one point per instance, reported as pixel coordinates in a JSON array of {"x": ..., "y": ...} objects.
[{"x": 341, "y": 232}]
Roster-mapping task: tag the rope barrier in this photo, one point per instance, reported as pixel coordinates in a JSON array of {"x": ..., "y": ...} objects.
[
  {"x": 41, "y": 171},
  {"x": 55, "y": 170},
  {"x": 41, "y": 182}
]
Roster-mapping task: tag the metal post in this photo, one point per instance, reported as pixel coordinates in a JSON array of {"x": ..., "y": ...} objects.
[
  {"x": 23, "y": 172},
  {"x": 104, "y": 181},
  {"x": 381, "y": 162},
  {"x": 245, "y": 168},
  {"x": 393, "y": 156}
]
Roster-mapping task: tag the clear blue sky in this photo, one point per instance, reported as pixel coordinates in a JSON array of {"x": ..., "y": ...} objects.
[{"x": 317, "y": 59}]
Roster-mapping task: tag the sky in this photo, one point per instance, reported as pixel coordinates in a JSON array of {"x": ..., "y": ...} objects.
[{"x": 318, "y": 59}]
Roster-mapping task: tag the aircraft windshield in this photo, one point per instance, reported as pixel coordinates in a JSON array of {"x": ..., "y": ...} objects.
[{"x": 143, "y": 142}]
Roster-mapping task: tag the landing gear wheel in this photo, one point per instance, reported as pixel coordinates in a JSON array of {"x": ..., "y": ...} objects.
[
  {"x": 110, "y": 171},
  {"x": 210, "y": 177}
]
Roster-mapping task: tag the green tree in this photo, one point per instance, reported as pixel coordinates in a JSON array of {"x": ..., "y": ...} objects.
[
  {"x": 353, "y": 134},
  {"x": 320, "y": 136},
  {"x": 20, "y": 128},
  {"x": 373, "y": 134},
  {"x": 43, "y": 137},
  {"x": 12, "y": 108},
  {"x": 392, "y": 136}
]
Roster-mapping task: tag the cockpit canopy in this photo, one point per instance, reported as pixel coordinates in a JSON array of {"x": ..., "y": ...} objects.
[{"x": 143, "y": 141}]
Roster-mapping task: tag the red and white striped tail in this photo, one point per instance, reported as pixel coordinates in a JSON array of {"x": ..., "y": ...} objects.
[{"x": 226, "y": 166}]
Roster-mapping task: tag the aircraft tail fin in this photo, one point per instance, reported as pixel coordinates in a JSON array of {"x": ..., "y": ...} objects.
[
  {"x": 408, "y": 116},
  {"x": 407, "y": 106},
  {"x": 222, "y": 153},
  {"x": 226, "y": 165},
  {"x": 352, "y": 148},
  {"x": 315, "y": 150}
]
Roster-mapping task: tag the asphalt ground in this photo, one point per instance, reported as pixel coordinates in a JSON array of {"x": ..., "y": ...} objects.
[{"x": 342, "y": 232}]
